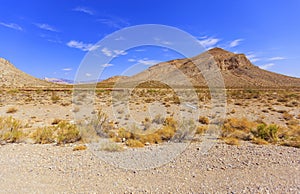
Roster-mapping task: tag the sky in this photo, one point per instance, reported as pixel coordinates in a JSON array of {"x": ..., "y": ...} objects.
[{"x": 50, "y": 38}]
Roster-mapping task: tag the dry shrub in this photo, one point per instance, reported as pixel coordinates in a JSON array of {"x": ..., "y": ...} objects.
[
  {"x": 11, "y": 110},
  {"x": 201, "y": 129},
  {"x": 150, "y": 138},
  {"x": 134, "y": 143},
  {"x": 10, "y": 130},
  {"x": 79, "y": 147},
  {"x": 166, "y": 132},
  {"x": 203, "y": 120},
  {"x": 231, "y": 140},
  {"x": 260, "y": 141},
  {"x": 44, "y": 135},
  {"x": 67, "y": 133}
]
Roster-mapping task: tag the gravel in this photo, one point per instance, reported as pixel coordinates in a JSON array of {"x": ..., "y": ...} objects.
[{"x": 249, "y": 168}]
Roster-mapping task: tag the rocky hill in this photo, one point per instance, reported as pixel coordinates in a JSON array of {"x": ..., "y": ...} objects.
[
  {"x": 10, "y": 76},
  {"x": 237, "y": 72}
]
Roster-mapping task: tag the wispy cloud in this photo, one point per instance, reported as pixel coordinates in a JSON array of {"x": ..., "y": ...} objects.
[
  {"x": 88, "y": 75},
  {"x": 253, "y": 58},
  {"x": 209, "y": 42},
  {"x": 12, "y": 26},
  {"x": 67, "y": 69},
  {"x": 276, "y": 58},
  {"x": 84, "y": 10},
  {"x": 107, "y": 65},
  {"x": 148, "y": 62},
  {"x": 131, "y": 60},
  {"x": 82, "y": 46},
  {"x": 112, "y": 53},
  {"x": 114, "y": 21},
  {"x": 235, "y": 43},
  {"x": 46, "y": 27},
  {"x": 267, "y": 66}
]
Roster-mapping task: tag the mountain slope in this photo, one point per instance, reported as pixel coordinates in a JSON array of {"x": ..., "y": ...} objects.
[
  {"x": 237, "y": 72},
  {"x": 10, "y": 76}
]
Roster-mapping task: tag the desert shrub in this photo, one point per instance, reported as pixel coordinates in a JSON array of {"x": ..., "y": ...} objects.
[
  {"x": 203, "y": 120},
  {"x": 134, "y": 143},
  {"x": 10, "y": 130},
  {"x": 268, "y": 133},
  {"x": 44, "y": 135},
  {"x": 153, "y": 138},
  {"x": 166, "y": 132},
  {"x": 169, "y": 121},
  {"x": 99, "y": 122},
  {"x": 11, "y": 110},
  {"x": 201, "y": 130},
  {"x": 231, "y": 141},
  {"x": 54, "y": 97},
  {"x": 259, "y": 141},
  {"x": 67, "y": 133},
  {"x": 79, "y": 147}
]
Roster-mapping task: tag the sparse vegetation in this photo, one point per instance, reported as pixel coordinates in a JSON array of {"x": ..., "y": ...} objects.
[
  {"x": 44, "y": 135},
  {"x": 11, "y": 110},
  {"x": 79, "y": 148},
  {"x": 203, "y": 120},
  {"x": 67, "y": 133}
]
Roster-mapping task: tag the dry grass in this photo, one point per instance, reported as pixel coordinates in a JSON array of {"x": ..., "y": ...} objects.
[
  {"x": 260, "y": 141},
  {"x": 11, "y": 130},
  {"x": 134, "y": 143},
  {"x": 79, "y": 147},
  {"x": 44, "y": 135},
  {"x": 201, "y": 130},
  {"x": 231, "y": 140},
  {"x": 67, "y": 133},
  {"x": 11, "y": 110}
]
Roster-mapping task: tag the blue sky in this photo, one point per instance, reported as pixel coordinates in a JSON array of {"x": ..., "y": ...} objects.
[{"x": 50, "y": 38}]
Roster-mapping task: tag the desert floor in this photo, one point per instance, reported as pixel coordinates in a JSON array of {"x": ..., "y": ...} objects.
[{"x": 243, "y": 168}]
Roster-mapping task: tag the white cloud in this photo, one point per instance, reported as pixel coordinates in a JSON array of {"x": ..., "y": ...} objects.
[
  {"x": 107, "y": 52},
  {"x": 276, "y": 58},
  {"x": 12, "y": 26},
  {"x": 46, "y": 27},
  {"x": 67, "y": 69},
  {"x": 82, "y": 46},
  {"x": 253, "y": 58},
  {"x": 235, "y": 43},
  {"x": 131, "y": 60},
  {"x": 84, "y": 10},
  {"x": 209, "y": 42},
  {"x": 267, "y": 66},
  {"x": 88, "y": 75},
  {"x": 148, "y": 62},
  {"x": 114, "y": 22},
  {"x": 107, "y": 65},
  {"x": 113, "y": 53}
]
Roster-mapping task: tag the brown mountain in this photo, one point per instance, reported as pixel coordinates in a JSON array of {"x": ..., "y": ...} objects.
[
  {"x": 12, "y": 77},
  {"x": 236, "y": 70}
]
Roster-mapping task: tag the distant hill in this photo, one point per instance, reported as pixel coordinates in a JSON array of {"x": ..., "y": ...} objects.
[
  {"x": 236, "y": 70},
  {"x": 10, "y": 76}
]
